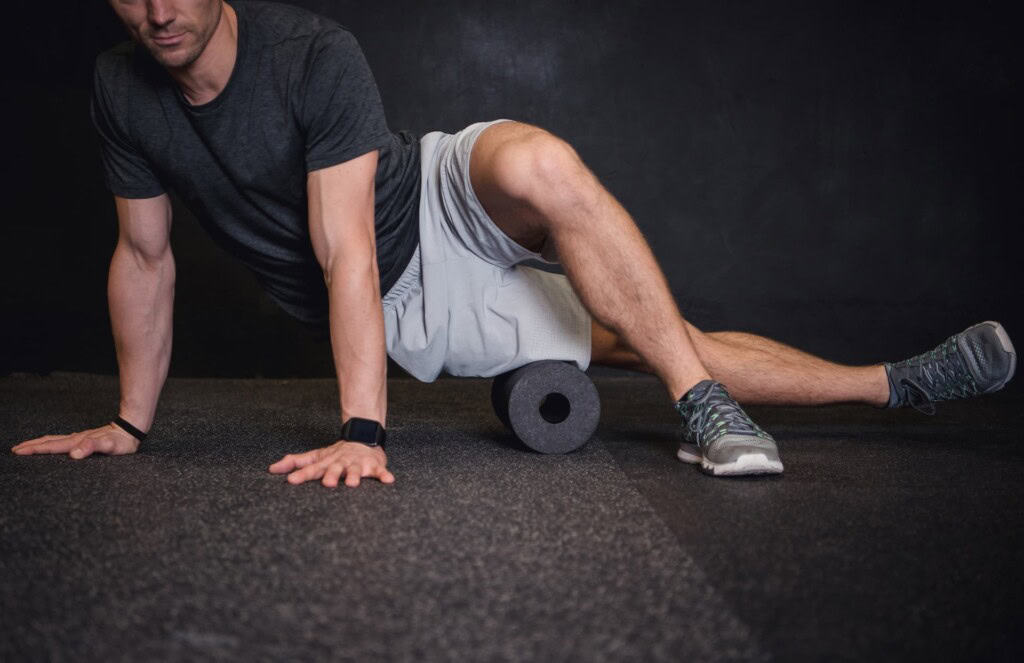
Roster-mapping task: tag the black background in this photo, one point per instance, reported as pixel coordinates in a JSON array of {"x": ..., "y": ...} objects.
[{"x": 844, "y": 177}]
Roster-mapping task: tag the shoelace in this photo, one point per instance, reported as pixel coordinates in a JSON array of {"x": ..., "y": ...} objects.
[
  {"x": 714, "y": 414},
  {"x": 942, "y": 376}
]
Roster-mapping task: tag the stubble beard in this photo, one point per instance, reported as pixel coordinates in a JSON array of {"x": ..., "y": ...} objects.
[{"x": 188, "y": 51}]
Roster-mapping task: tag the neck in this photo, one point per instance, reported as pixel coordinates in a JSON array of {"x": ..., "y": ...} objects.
[{"x": 207, "y": 77}]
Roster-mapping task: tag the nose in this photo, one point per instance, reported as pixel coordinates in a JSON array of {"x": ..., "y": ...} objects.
[{"x": 160, "y": 13}]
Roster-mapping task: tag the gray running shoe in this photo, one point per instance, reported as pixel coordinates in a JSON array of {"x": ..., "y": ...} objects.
[
  {"x": 719, "y": 435},
  {"x": 978, "y": 360}
]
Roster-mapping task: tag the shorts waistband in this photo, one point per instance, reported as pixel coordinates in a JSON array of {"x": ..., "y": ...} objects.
[{"x": 409, "y": 279}]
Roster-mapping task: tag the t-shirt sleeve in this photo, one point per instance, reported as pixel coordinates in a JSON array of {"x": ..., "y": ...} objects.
[
  {"x": 127, "y": 173},
  {"x": 341, "y": 110}
]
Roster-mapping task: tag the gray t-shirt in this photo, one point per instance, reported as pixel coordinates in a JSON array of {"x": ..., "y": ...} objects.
[{"x": 301, "y": 97}]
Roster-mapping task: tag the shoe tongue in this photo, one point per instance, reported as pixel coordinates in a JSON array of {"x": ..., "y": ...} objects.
[{"x": 699, "y": 390}]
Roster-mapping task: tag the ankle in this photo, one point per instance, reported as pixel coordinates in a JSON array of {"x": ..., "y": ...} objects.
[
  {"x": 879, "y": 390},
  {"x": 678, "y": 389}
]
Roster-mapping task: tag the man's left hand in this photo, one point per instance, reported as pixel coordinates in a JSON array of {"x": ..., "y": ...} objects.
[{"x": 353, "y": 460}]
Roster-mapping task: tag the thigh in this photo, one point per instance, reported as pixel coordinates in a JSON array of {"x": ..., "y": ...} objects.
[
  {"x": 452, "y": 218},
  {"x": 493, "y": 160}
]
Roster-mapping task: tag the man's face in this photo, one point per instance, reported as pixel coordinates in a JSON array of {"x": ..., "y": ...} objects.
[{"x": 175, "y": 32}]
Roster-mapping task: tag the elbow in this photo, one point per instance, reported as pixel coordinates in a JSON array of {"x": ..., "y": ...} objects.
[
  {"x": 147, "y": 260},
  {"x": 350, "y": 267}
]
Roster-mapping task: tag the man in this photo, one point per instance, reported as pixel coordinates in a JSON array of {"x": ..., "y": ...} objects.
[{"x": 267, "y": 122}]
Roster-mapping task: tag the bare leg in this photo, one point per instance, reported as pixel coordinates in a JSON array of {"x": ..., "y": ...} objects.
[
  {"x": 537, "y": 190},
  {"x": 539, "y": 193},
  {"x": 758, "y": 370}
]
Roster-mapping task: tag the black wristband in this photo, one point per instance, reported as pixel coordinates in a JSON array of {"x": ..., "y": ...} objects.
[
  {"x": 367, "y": 431},
  {"x": 128, "y": 428}
]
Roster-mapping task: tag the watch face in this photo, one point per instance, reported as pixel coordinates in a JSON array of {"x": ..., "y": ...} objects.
[{"x": 363, "y": 430}]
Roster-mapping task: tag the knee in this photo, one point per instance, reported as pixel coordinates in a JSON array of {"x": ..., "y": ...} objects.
[{"x": 537, "y": 167}]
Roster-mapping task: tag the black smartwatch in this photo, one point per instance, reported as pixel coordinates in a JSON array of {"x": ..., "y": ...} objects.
[{"x": 367, "y": 431}]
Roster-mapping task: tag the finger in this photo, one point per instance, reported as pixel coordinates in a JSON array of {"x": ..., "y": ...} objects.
[
  {"x": 51, "y": 444},
  {"x": 384, "y": 475},
  {"x": 332, "y": 475},
  {"x": 295, "y": 461},
  {"x": 102, "y": 444},
  {"x": 307, "y": 473},
  {"x": 83, "y": 449},
  {"x": 33, "y": 441},
  {"x": 285, "y": 464},
  {"x": 353, "y": 473},
  {"x": 37, "y": 440}
]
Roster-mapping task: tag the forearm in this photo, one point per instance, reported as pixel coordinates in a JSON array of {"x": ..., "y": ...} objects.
[
  {"x": 140, "y": 294},
  {"x": 357, "y": 338}
]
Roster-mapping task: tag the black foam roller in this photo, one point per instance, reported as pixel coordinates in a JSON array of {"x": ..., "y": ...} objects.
[
  {"x": 551, "y": 406},
  {"x": 499, "y": 398}
]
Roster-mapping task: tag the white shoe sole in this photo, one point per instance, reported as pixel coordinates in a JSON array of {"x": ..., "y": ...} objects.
[
  {"x": 689, "y": 453},
  {"x": 744, "y": 465}
]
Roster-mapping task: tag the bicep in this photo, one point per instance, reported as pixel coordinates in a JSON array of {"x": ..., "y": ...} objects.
[
  {"x": 341, "y": 211},
  {"x": 144, "y": 225}
]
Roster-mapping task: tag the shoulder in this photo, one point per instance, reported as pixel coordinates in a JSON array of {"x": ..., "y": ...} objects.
[
  {"x": 126, "y": 95},
  {"x": 115, "y": 64},
  {"x": 298, "y": 48},
  {"x": 275, "y": 24},
  {"x": 125, "y": 70}
]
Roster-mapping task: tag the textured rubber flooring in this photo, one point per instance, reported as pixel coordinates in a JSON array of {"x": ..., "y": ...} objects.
[{"x": 891, "y": 535}]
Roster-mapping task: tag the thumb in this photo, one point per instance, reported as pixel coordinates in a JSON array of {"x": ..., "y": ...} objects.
[{"x": 84, "y": 448}]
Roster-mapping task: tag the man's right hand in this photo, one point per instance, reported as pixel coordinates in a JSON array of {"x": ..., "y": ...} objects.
[{"x": 107, "y": 439}]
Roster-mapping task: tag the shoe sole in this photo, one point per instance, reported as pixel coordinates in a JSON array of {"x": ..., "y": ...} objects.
[
  {"x": 1007, "y": 345},
  {"x": 689, "y": 453},
  {"x": 744, "y": 465},
  {"x": 747, "y": 464}
]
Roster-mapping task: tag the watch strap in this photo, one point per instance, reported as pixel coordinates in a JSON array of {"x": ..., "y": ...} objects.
[
  {"x": 367, "y": 431},
  {"x": 128, "y": 428}
]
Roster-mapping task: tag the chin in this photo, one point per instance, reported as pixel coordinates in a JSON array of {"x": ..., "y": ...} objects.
[{"x": 175, "y": 59}]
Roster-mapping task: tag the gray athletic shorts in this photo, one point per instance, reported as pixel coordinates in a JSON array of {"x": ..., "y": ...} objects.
[{"x": 465, "y": 305}]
